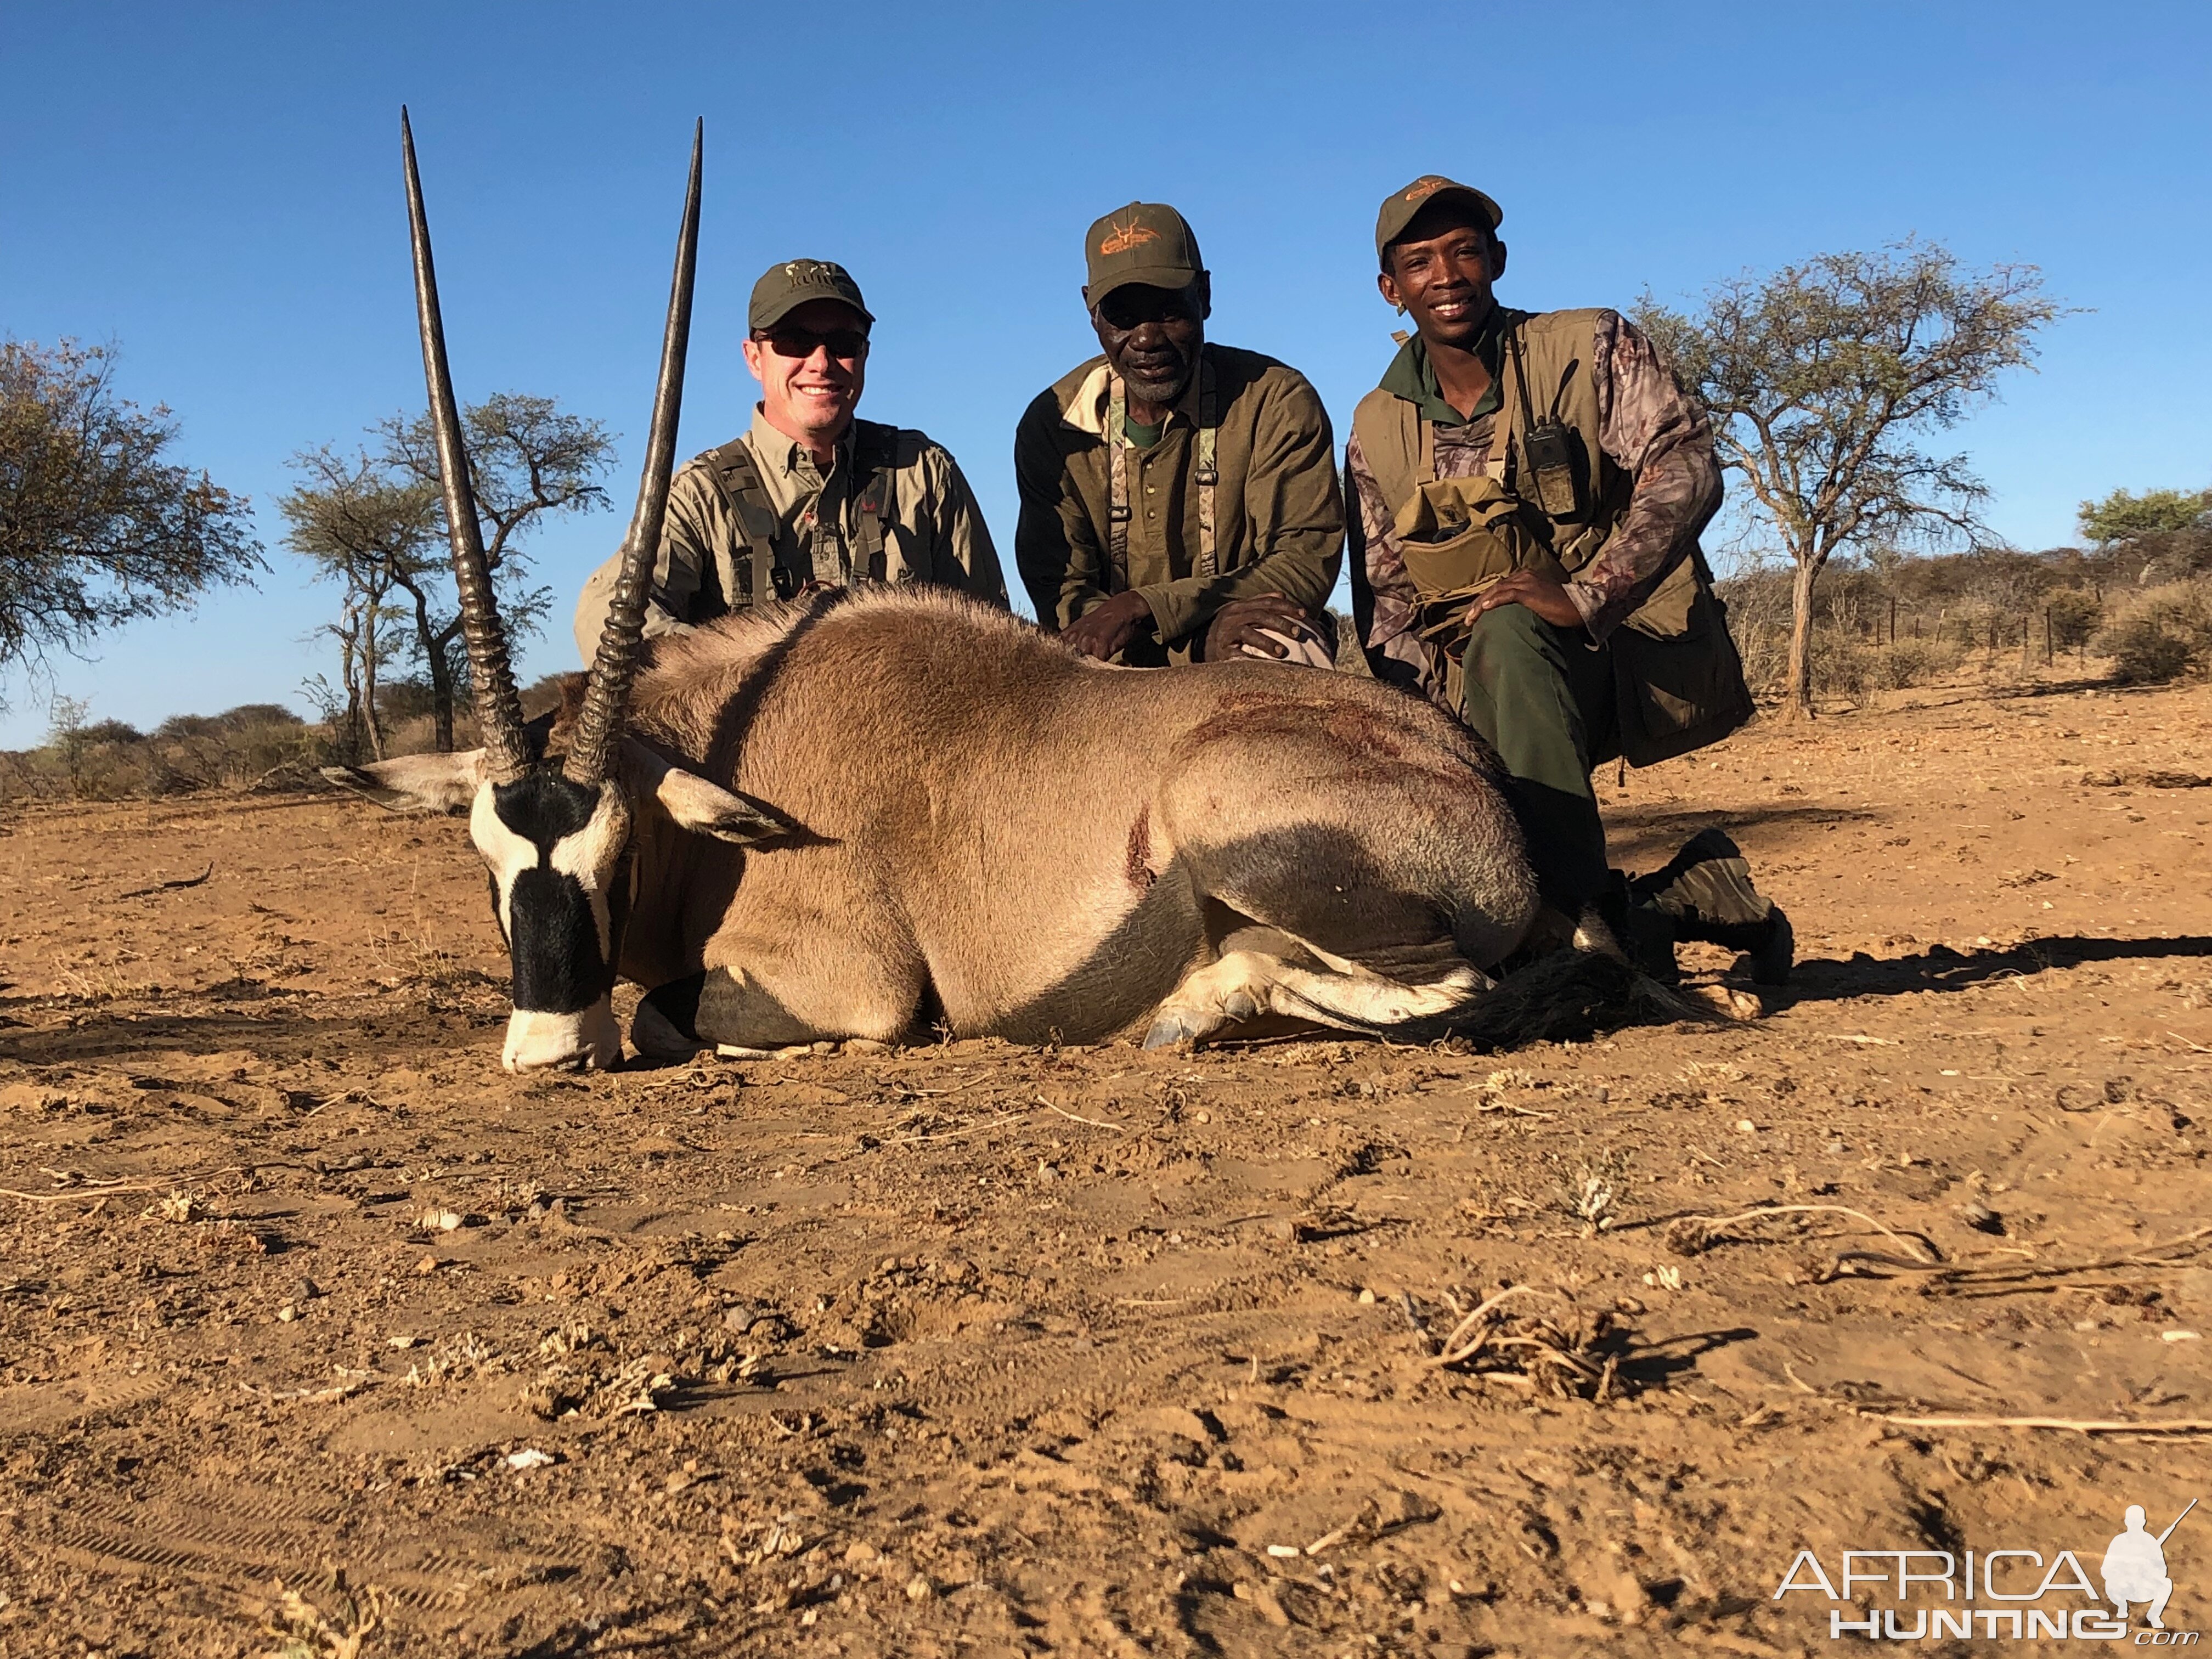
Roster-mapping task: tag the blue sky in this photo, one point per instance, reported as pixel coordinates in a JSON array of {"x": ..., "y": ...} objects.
[{"x": 215, "y": 190}]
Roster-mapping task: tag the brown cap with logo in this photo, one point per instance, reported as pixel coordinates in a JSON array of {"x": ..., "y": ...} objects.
[
  {"x": 1400, "y": 206},
  {"x": 784, "y": 287},
  {"x": 1145, "y": 242}
]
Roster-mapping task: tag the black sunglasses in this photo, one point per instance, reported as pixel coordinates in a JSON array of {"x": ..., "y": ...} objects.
[
  {"x": 788, "y": 340},
  {"x": 1137, "y": 303}
]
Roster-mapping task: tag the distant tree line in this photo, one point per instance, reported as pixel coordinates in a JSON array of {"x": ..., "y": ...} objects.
[
  {"x": 255, "y": 746},
  {"x": 1884, "y": 618},
  {"x": 261, "y": 745}
]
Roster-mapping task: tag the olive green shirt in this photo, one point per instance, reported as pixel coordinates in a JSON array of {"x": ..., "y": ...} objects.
[
  {"x": 1279, "y": 515},
  {"x": 935, "y": 532},
  {"x": 1412, "y": 375}
]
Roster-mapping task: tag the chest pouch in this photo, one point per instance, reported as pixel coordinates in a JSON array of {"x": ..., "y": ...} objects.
[{"x": 1458, "y": 536}]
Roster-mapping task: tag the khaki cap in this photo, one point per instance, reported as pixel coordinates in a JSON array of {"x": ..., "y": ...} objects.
[
  {"x": 784, "y": 287},
  {"x": 1145, "y": 242},
  {"x": 1400, "y": 206}
]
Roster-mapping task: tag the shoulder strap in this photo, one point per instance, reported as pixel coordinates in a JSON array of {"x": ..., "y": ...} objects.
[
  {"x": 875, "y": 469},
  {"x": 1206, "y": 475},
  {"x": 1208, "y": 432},
  {"x": 733, "y": 468},
  {"x": 1517, "y": 381},
  {"x": 1397, "y": 444},
  {"x": 1117, "y": 485}
]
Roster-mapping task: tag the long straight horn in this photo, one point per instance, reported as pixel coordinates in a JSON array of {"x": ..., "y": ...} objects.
[
  {"x": 499, "y": 709},
  {"x": 606, "y": 696}
]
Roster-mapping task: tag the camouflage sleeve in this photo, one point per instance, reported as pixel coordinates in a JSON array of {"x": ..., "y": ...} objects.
[
  {"x": 960, "y": 529},
  {"x": 1056, "y": 550},
  {"x": 1383, "y": 598},
  {"x": 1664, "y": 441}
]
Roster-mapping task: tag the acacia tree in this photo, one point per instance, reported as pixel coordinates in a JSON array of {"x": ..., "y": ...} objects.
[
  {"x": 2161, "y": 531},
  {"x": 527, "y": 459},
  {"x": 1822, "y": 377},
  {"x": 98, "y": 527},
  {"x": 373, "y": 535}
]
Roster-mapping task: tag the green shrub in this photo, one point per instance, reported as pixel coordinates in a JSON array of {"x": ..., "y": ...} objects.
[
  {"x": 1912, "y": 662},
  {"x": 2075, "y": 615},
  {"x": 2160, "y": 634}
]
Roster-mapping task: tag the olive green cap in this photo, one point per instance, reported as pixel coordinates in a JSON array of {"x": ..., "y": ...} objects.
[
  {"x": 1145, "y": 242},
  {"x": 1400, "y": 206},
  {"x": 784, "y": 287}
]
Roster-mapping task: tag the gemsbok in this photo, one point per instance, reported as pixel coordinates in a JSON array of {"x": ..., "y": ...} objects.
[{"x": 892, "y": 812}]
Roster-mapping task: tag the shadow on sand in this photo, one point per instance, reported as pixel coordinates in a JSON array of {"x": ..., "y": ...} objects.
[{"x": 1940, "y": 968}]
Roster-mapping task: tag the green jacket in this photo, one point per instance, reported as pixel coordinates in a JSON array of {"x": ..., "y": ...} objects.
[{"x": 1278, "y": 513}]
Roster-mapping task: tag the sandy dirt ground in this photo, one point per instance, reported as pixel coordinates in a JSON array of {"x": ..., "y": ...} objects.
[{"x": 975, "y": 1350}]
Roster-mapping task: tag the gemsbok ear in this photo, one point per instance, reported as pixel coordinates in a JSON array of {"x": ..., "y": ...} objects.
[
  {"x": 692, "y": 803},
  {"x": 416, "y": 783}
]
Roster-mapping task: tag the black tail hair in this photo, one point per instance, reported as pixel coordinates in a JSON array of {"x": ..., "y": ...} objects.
[{"x": 1567, "y": 995}]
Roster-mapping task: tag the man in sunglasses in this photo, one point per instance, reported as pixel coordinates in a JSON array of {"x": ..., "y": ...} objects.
[
  {"x": 810, "y": 495},
  {"x": 1179, "y": 499}
]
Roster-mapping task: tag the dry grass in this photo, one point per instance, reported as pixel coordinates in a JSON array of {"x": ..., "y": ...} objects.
[
  {"x": 308, "y": 1630},
  {"x": 2162, "y": 634}
]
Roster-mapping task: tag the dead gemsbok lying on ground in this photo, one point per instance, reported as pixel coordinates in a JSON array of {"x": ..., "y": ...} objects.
[{"x": 885, "y": 813}]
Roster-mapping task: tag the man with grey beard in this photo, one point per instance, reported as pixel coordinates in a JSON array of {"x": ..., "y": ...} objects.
[{"x": 1179, "y": 499}]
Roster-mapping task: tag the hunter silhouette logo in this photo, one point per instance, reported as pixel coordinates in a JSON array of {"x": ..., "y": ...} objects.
[
  {"x": 1426, "y": 188},
  {"x": 2135, "y": 1567},
  {"x": 1122, "y": 238}
]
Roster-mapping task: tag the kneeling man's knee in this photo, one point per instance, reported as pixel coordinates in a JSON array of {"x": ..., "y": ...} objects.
[{"x": 1511, "y": 631}]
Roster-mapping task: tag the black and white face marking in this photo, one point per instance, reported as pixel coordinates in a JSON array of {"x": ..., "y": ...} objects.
[
  {"x": 559, "y": 853},
  {"x": 563, "y": 874}
]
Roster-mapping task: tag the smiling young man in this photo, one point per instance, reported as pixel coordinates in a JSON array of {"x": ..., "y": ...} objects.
[
  {"x": 1179, "y": 498},
  {"x": 810, "y": 495},
  {"x": 1529, "y": 489}
]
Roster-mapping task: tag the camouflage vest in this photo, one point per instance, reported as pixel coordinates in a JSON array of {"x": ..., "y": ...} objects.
[{"x": 1679, "y": 681}]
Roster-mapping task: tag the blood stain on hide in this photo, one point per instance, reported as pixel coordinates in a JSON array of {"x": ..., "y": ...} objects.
[
  {"x": 1139, "y": 865},
  {"x": 1359, "y": 728}
]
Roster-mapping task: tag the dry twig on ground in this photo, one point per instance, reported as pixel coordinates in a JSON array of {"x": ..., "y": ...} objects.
[
  {"x": 1556, "y": 1355},
  {"x": 1997, "y": 1281},
  {"x": 1693, "y": 1234},
  {"x": 2075, "y": 1425}
]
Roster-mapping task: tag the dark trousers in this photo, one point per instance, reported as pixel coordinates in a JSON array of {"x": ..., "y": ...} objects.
[{"x": 1544, "y": 700}]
